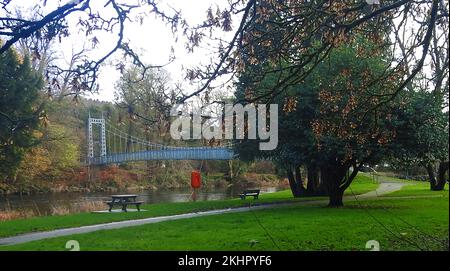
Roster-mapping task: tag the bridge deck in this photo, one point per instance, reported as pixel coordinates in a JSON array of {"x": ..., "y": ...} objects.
[{"x": 194, "y": 153}]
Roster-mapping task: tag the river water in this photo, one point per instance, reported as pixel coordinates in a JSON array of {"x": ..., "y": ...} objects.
[{"x": 44, "y": 203}]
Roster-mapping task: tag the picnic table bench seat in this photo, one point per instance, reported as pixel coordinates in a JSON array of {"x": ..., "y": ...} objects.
[
  {"x": 124, "y": 204},
  {"x": 250, "y": 193}
]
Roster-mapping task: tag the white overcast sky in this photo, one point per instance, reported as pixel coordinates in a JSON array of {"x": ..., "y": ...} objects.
[{"x": 153, "y": 40}]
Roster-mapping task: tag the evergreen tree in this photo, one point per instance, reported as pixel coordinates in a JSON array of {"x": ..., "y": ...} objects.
[
  {"x": 19, "y": 111},
  {"x": 325, "y": 125}
]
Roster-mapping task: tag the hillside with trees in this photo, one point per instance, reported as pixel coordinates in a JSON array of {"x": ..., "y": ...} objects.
[{"x": 45, "y": 150}]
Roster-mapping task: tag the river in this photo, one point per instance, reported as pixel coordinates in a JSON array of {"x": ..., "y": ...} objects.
[{"x": 43, "y": 204}]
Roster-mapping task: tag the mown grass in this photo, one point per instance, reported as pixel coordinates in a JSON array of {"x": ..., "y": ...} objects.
[
  {"x": 417, "y": 189},
  {"x": 361, "y": 184},
  {"x": 397, "y": 224}
]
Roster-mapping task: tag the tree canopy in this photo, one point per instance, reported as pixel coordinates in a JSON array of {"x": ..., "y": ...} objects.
[
  {"x": 325, "y": 126},
  {"x": 290, "y": 27}
]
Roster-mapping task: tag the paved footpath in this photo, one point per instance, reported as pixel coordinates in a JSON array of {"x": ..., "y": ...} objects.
[{"x": 384, "y": 188}]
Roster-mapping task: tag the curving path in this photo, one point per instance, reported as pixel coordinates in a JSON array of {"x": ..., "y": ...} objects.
[{"x": 384, "y": 188}]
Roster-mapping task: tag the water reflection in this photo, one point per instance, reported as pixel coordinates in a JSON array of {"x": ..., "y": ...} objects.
[{"x": 43, "y": 203}]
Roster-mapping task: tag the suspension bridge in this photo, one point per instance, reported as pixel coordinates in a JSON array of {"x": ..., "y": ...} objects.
[{"x": 110, "y": 145}]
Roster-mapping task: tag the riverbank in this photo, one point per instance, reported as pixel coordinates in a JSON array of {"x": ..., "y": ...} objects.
[
  {"x": 114, "y": 179},
  {"x": 410, "y": 222},
  {"x": 78, "y": 195},
  {"x": 362, "y": 184}
]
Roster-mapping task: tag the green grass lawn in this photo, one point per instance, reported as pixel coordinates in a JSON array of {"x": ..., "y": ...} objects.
[
  {"x": 397, "y": 224},
  {"x": 417, "y": 189},
  {"x": 361, "y": 184}
]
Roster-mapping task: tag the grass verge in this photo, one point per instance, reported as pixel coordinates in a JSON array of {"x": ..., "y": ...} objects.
[
  {"x": 397, "y": 224},
  {"x": 362, "y": 184}
]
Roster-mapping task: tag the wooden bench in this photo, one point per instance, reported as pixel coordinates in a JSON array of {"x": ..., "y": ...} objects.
[
  {"x": 250, "y": 192},
  {"x": 124, "y": 205}
]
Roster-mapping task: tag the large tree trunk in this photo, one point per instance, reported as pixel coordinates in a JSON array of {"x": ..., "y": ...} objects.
[
  {"x": 336, "y": 198},
  {"x": 313, "y": 178},
  {"x": 440, "y": 182},
  {"x": 333, "y": 176},
  {"x": 437, "y": 184},
  {"x": 295, "y": 181},
  {"x": 431, "y": 175},
  {"x": 298, "y": 178},
  {"x": 314, "y": 186}
]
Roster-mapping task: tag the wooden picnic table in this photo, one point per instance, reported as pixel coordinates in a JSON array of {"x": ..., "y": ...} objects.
[{"x": 124, "y": 201}]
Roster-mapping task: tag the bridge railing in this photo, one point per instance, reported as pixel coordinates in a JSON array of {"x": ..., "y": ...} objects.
[{"x": 169, "y": 153}]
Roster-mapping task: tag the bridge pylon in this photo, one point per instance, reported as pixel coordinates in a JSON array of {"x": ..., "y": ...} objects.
[{"x": 91, "y": 123}]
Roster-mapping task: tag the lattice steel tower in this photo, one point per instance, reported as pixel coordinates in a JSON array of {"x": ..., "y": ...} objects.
[{"x": 101, "y": 123}]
